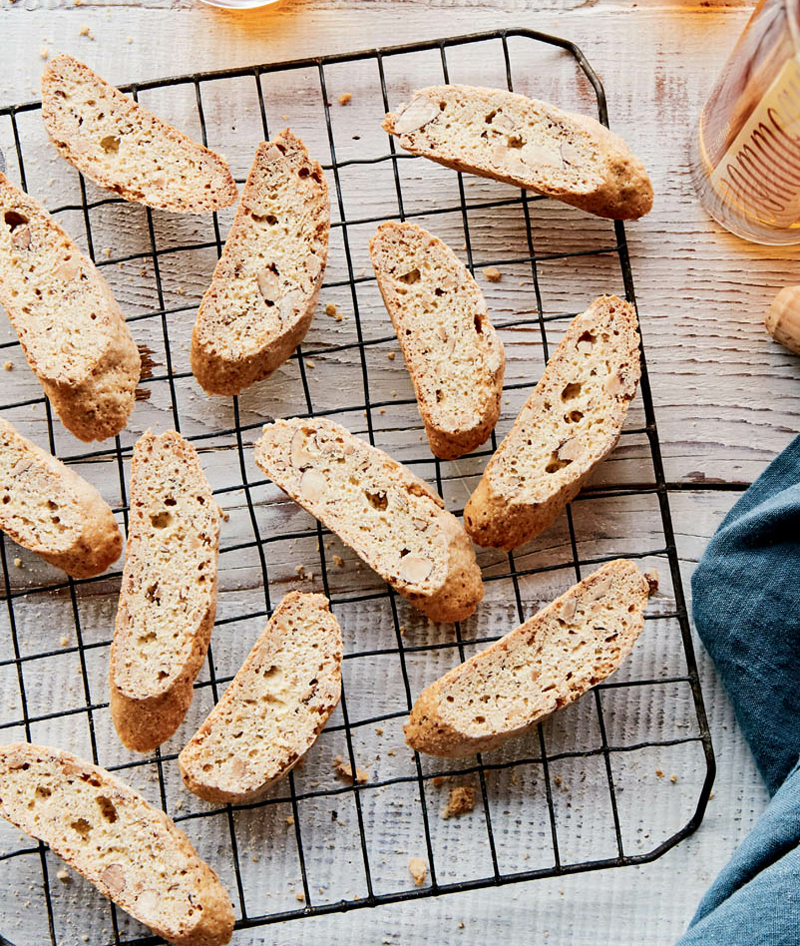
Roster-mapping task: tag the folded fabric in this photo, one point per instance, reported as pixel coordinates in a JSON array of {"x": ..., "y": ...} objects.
[
  {"x": 746, "y": 603},
  {"x": 755, "y": 900}
]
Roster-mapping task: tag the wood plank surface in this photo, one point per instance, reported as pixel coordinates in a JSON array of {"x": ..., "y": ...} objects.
[{"x": 727, "y": 399}]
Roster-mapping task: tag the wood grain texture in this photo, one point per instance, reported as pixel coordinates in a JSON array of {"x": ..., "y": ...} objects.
[{"x": 727, "y": 400}]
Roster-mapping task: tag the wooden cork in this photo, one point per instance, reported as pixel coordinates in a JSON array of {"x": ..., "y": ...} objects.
[{"x": 783, "y": 318}]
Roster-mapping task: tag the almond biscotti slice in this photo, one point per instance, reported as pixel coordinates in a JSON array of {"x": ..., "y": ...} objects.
[
  {"x": 127, "y": 149},
  {"x": 261, "y": 300},
  {"x": 69, "y": 325},
  {"x": 168, "y": 598},
  {"x": 527, "y": 143},
  {"x": 47, "y": 508},
  {"x": 276, "y": 706},
  {"x": 377, "y": 506},
  {"x": 571, "y": 421},
  {"x": 453, "y": 354},
  {"x": 131, "y": 851},
  {"x": 539, "y": 667}
]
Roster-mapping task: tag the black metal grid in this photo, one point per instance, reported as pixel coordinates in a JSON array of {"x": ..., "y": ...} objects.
[{"x": 254, "y": 915}]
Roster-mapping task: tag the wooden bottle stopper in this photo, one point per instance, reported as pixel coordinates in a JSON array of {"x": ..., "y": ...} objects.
[{"x": 783, "y": 318}]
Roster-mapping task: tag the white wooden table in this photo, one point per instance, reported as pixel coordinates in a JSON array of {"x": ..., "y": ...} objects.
[{"x": 727, "y": 398}]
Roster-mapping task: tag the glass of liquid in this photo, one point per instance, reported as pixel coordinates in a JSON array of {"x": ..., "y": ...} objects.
[
  {"x": 745, "y": 157},
  {"x": 240, "y": 4}
]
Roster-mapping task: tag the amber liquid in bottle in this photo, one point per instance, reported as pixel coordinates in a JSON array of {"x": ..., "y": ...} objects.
[{"x": 746, "y": 149}]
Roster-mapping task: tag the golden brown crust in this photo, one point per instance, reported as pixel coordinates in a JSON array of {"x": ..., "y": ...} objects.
[
  {"x": 276, "y": 706},
  {"x": 168, "y": 598},
  {"x": 571, "y": 421},
  {"x": 264, "y": 291},
  {"x": 131, "y": 851},
  {"x": 389, "y": 516},
  {"x": 526, "y": 143},
  {"x": 541, "y": 666},
  {"x": 127, "y": 149},
  {"x": 452, "y": 351},
  {"x": 143, "y": 724},
  {"x": 69, "y": 325},
  {"x": 47, "y": 508}
]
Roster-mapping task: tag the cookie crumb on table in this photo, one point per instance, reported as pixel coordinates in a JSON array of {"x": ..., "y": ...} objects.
[
  {"x": 345, "y": 770},
  {"x": 462, "y": 801},
  {"x": 345, "y": 98},
  {"x": 439, "y": 780},
  {"x": 338, "y": 560},
  {"x": 390, "y": 356},
  {"x": 493, "y": 274},
  {"x": 63, "y": 876},
  {"x": 44, "y": 52},
  {"x": 418, "y": 870},
  {"x": 9, "y": 366},
  {"x": 659, "y": 773}
]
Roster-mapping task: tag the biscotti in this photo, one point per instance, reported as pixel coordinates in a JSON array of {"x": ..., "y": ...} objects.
[
  {"x": 527, "y": 143},
  {"x": 125, "y": 148},
  {"x": 131, "y": 851},
  {"x": 539, "y": 667},
  {"x": 386, "y": 514},
  {"x": 168, "y": 598},
  {"x": 276, "y": 706},
  {"x": 69, "y": 325},
  {"x": 453, "y": 354},
  {"x": 571, "y": 421},
  {"x": 261, "y": 300},
  {"x": 47, "y": 508}
]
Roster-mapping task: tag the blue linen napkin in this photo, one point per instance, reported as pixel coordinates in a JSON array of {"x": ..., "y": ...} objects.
[{"x": 746, "y": 603}]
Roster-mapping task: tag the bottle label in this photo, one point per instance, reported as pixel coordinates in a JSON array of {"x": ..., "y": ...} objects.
[{"x": 760, "y": 173}]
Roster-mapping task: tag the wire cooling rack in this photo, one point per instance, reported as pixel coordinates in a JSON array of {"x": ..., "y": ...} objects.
[{"x": 616, "y": 779}]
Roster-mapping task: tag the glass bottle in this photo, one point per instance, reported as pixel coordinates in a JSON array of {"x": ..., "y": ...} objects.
[{"x": 745, "y": 158}]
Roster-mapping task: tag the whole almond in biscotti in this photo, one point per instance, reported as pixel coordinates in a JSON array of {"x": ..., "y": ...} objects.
[
  {"x": 276, "y": 706},
  {"x": 527, "y": 143},
  {"x": 264, "y": 291},
  {"x": 69, "y": 325},
  {"x": 131, "y": 851},
  {"x": 571, "y": 421},
  {"x": 125, "y": 148},
  {"x": 377, "y": 506},
  {"x": 47, "y": 508},
  {"x": 453, "y": 354},
  {"x": 541, "y": 666},
  {"x": 168, "y": 598}
]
